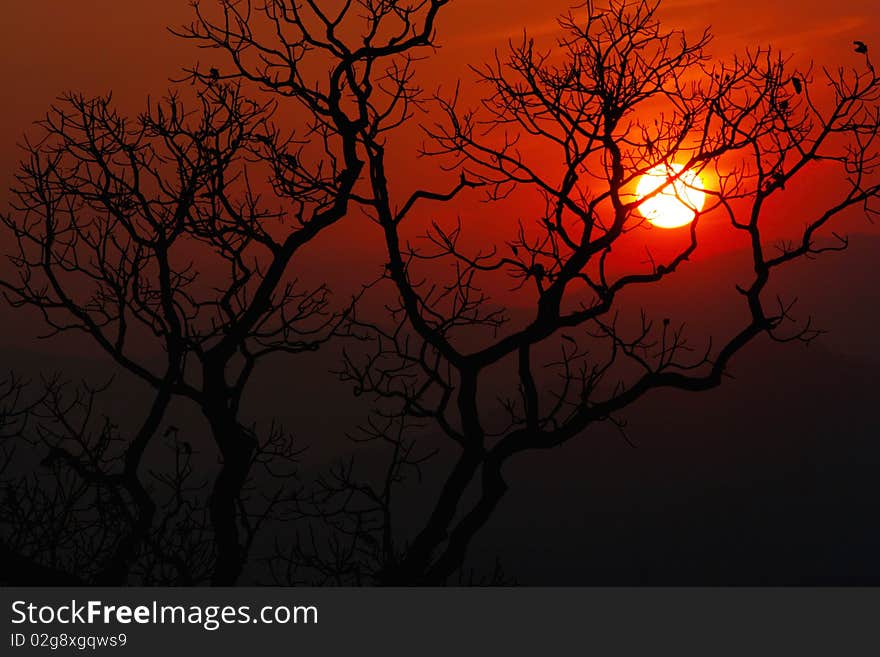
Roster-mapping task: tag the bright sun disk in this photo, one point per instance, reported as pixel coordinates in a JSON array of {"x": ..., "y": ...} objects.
[{"x": 678, "y": 203}]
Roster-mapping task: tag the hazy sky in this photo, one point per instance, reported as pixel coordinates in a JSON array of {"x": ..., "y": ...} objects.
[
  {"x": 49, "y": 46},
  {"x": 96, "y": 46}
]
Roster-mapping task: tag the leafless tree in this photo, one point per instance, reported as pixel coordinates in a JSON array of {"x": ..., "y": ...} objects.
[
  {"x": 153, "y": 236},
  {"x": 366, "y": 50},
  {"x": 74, "y": 512},
  {"x": 149, "y": 237},
  {"x": 570, "y": 130},
  {"x": 172, "y": 241}
]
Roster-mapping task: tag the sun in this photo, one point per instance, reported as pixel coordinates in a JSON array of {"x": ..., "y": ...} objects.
[{"x": 677, "y": 204}]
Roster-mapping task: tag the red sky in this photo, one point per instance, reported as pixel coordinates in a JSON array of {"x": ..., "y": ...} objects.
[
  {"x": 95, "y": 46},
  {"x": 50, "y": 46}
]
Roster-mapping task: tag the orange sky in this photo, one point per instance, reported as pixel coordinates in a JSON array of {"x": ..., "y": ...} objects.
[
  {"x": 95, "y": 46},
  {"x": 50, "y": 46}
]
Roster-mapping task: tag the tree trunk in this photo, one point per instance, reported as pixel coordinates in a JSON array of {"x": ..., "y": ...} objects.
[{"x": 236, "y": 447}]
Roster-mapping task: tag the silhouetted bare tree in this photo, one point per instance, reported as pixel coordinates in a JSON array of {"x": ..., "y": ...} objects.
[
  {"x": 173, "y": 242},
  {"x": 74, "y": 512},
  {"x": 571, "y": 130},
  {"x": 151, "y": 237},
  {"x": 367, "y": 50},
  {"x": 120, "y": 227}
]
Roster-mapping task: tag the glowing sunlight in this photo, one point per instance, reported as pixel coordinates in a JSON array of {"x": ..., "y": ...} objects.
[{"x": 677, "y": 204}]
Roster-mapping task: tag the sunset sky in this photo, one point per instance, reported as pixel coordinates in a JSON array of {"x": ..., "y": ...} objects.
[
  {"x": 48, "y": 47},
  {"x": 95, "y": 46}
]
